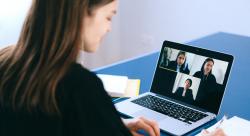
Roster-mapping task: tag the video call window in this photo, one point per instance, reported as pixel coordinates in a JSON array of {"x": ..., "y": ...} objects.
[
  {"x": 186, "y": 86},
  {"x": 192, "y": 78},
  {"x": 189, "y": 63}
]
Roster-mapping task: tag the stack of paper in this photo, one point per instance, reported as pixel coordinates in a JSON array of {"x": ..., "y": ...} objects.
[
  {"x": 234, "y": 126},
  {"x": 120, "y": 86}
]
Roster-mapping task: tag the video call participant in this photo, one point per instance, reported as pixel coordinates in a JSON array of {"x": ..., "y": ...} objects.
[
  {"x": 207, "y": 93},
  {"x": 185, "y": 93},
  {"x": 179, "y": 64}
]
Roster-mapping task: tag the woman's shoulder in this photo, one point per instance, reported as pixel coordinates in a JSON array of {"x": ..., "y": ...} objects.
[
  {"x": 80, "y": 84},
  {"x": 212, "y": 77},
  {"x": 190, "y": 91},
  {"x": 78, "y": 72},
  {"x": 197, "y": 74},
  {"x": 81, "y": 90},
  {"x": 76, "y": 68},
  {"x": 180, "y": 88},
  {"x": 173, "y": 62},
  {"x": 80, "y": 78}
]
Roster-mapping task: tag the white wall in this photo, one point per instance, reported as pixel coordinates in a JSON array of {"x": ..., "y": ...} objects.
[
  {"x": 141, "y": 25},
  {"x": 146, "y": 23},
  {"x": 12, "y": 15}
]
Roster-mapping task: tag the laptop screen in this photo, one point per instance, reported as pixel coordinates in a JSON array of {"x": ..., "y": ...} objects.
[{"x": 192, "y": 75}]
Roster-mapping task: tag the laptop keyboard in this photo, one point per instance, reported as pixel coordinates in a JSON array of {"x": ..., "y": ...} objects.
[{"x": 171, "y": 109}]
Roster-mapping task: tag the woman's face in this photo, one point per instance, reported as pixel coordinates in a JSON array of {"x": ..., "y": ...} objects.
[
  {"x": 97, "y": 24},
  {"x": 181, "y": 59},
  {"x": 187, "y": 84},
  {"x": 208, "y": 67}
]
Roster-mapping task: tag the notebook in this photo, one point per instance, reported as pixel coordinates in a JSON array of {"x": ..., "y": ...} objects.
[
  {"x": 187, "y": 88},
  {"x": 234, "y": 126},
  {"x": 120, "y": 86}
]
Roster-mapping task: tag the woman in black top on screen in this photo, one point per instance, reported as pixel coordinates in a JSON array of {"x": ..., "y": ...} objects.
[
  {"x": 207, "y": 90},
  {"x": 185, "y": 93},
  {"x": 43, "y": 91},
  {"x": 180, "y": 64}
]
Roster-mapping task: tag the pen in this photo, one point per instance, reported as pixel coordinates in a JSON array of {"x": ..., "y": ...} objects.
[{"x": 221, "y": 121}]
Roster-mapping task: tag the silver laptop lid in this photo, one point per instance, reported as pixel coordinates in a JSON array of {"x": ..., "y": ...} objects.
[{"x": 192, "y": 75}]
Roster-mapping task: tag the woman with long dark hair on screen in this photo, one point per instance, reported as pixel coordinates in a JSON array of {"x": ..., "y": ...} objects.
[
  {"x": 207, "y": 93},
  {"x": 43, "y": 91},
  {"x": 180, "y": 63}
]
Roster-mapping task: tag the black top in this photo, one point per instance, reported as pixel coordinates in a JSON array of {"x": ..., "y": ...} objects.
[
  {"x": 188, "y": 96},
  {"x": 207, "y": 92},
  {"x": 86, "y": 108},
  {"x": 173, "y": 66}
]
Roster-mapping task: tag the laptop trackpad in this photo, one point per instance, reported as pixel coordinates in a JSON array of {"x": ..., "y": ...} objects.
[{"x": 149, "y": 114}]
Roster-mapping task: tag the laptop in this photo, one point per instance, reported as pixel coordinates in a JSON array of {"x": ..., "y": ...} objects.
[{"x": 187, "y": 88}]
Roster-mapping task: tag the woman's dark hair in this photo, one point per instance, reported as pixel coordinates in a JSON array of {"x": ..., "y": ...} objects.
[
  {"x": 190, "y": 81},
  {"x": 207, "y": 60},
  {"x": 48, "y": 45},
  {"x": 184, "y": 54}
]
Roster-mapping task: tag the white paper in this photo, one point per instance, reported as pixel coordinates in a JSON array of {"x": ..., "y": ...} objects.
[
  {"x": 113, "y": 84},
  {"x": 234, "y": 126}
]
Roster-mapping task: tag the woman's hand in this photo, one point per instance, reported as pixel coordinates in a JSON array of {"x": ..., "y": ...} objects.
[
  {"x": 217, "y": 132},
  {"x": 141, "y": 123}
]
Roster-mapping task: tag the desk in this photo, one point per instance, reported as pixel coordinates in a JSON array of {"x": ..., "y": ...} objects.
[{"x": 236, "y": 100}]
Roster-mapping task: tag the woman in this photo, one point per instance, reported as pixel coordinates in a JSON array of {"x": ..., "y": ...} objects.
[
  {"x": 42, "y": 89},
  {"x": 40, "y": 79},
  {"x": 185, "y": 93},
  {"x": 207, "y": 92},
  {"x": 179, "y": 64}
]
